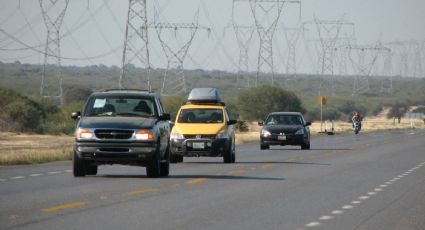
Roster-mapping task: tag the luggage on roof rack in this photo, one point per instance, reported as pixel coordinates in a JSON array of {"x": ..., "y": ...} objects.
[{"x": 204, "y": 95}]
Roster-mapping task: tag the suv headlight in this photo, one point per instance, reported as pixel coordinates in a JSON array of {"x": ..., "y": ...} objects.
[
  {"x": 222, "y": 135},
  {"x": 265, "y": 133},
  {"x": 84, "y": 134},
  {"x": 299, "y": 131},
  {"x": 176, "y": 136}
]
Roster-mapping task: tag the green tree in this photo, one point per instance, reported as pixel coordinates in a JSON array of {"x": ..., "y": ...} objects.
[
  {"x": 397, "y": 111},
  {"x": 256, "y": 103}
]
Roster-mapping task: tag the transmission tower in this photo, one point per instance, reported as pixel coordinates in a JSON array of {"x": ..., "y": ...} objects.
[
  {"x": 174, "y": 81},
  {"x": 136, "y": 44},
  {"x": 51, "y": 83},
  {"x": 329, "y": 34},
  {"x": 362, "y": 66},
  {"x": 292, "y": 36}
]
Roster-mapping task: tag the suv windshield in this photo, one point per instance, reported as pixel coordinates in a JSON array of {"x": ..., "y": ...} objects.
[
  {"x": 201, "y": 116},
  {"x": 121, "y": 106},
  {"x": 277, "y": 119}
]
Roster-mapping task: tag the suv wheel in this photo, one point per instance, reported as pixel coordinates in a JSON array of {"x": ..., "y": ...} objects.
[
  {"x": 90, "y": 169},
  {"x": 176, "y": 158},
  {"x": 79, "y": 169},
  {"x": 305, "y": 146},
  {"x": 165, "y": 164},
  {"x": 153, "y": 168}
]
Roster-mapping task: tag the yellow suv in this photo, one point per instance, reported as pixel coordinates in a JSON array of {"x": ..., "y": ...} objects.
[{"x": 203, "y": 128}]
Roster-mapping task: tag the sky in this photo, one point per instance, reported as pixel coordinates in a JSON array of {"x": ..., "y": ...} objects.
[{"x": 93, "y": 31}]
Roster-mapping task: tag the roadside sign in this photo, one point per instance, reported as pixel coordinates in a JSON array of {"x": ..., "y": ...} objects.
[{"x": 321, "y": 100}]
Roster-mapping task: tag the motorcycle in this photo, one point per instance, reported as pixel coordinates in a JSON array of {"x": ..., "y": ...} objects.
[{"x": 356, "y": 127}]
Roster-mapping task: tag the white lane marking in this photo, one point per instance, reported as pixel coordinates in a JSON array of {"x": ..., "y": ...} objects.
[
  {"x": 388, "y": 182},
  {"x": 52, "y": 173},
  {"x": 313, "y": 224},
  {"x": 355, "y": 202},
  {"x": 347, "y": 207},
  {"x": 364, "y": 197},
  {"x": 326, "y": 218},
  {"x": 36, "y": 174},
  {"x": 1, "y": 180},
  {"x": 17, "y": 177},
  {"x": 336, "y": 212},
  {"x": 378, "y": 189},
  {"x": 383, "y": 185},
  {"x": 371, "y": 193},
  {"x": 68, "y": 170}
]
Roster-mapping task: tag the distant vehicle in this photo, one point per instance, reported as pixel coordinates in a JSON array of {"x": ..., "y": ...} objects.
[
  {"x": 285, "y": 128},
  {"x": 203, "y": 128},
  {"x": 356, "y": 125},
  {"x": 122, "y": 127}
]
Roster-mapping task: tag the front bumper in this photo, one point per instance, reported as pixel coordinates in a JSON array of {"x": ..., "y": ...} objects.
[
  {"x": 109, "y": 152},
  {"x": 288, "y": 139},
  {"x": 211, "y": 147}
]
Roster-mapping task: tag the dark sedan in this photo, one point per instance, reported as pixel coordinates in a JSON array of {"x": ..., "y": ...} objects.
[{"x": 285, "y": 128}]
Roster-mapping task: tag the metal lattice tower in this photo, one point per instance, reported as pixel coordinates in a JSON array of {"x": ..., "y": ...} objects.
[
  {"x": 387, "y": 73},
  {"x": 266, "y": 16},
  {"x": 174, "y": 81},
  {"x": 362, "y": 66},
  {"x": 136, "y": 44},
  {"x": 418, "y": 70},
  {"x": 292, "y": 36},
  {"x": 244, "y": 36},
  {"x": 53, "y": 12},
  {"x": 329, "y": 34}
]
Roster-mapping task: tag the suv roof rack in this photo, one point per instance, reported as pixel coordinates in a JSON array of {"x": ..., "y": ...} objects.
[
  {"x": 200, "y": 102},
  {"x": 139, "y": 90}
]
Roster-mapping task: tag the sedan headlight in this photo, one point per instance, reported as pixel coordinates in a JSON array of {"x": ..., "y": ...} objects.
[
  {"x": 84, "y": 134},
  {"x": 265, "y": 133},
  {"x": 176, "y": 136},
  {"x": 300, "y": 132}
]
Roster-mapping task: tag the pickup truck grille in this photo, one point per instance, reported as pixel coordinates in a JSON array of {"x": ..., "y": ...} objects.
[{"x": 113, "y": 134}]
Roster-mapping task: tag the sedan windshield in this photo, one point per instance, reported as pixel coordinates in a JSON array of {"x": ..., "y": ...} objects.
[
  {"x": 201, "y": 116},
  {"x": 277, "y": 119},
  {"x": 120, "y": 106}
]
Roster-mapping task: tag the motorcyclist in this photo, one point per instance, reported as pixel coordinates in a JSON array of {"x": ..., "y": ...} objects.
[{"x": 357, "y": 118}]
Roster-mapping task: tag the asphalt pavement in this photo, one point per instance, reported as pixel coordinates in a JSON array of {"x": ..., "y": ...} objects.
[{"x": 370, "y": 181}]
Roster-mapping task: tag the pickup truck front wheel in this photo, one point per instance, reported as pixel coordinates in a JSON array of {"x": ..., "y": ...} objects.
[{"x": 79, "y": 166}]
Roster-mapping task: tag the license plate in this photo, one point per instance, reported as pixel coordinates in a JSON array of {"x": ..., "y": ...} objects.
[
  {"x": 198, "y": 145},
  {"x": 281, "y": 138}
]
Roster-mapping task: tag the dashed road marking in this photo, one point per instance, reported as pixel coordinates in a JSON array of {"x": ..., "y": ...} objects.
[
  {"x": 337, "y": 212},
  {"x": 378, "y": 189},
  {"x": 371, "y": 193},
  {"x": 196, "y": 181},
  {"x": 326, "y": 218},
  {"x": 313, "y": 224},
  {"x": 64, "y": 206},
  {"x": 52, "y": 173},
  {"x": 35, "y": 174},
  {"x": 347, "y": 207},
  {"x": 364, "y": 197},
  {"x": 355, "y": 202},
  {"x": 1, "y": 180},
  {"x": 141, "y": 191},
  {"x": 17, "y": 177}
]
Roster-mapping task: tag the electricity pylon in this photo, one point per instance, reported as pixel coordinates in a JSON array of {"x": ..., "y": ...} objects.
[
  {"x": 51, "y": 83},
  {"x": 136, "y": 44},
  {"x": 174, "y": 81},
  {"x": 362, "y": 66},
  {"x": 292, "y": 36},
  {"x": 329, "y": 33}
]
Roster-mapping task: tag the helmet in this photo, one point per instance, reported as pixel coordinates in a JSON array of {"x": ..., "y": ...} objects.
[{"x": 356, "y": 114}]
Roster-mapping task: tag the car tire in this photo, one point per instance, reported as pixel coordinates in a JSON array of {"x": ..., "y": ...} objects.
[
  {"x": 153, "y": 168},
  {"x": 79, "y": 166},
  {"x": 229, "y": 155},
  {"x": 176, "y": 158},
  {"x": 305, "y": 146},
  {"x": 90, "y": 169},
  {"x": 263, "y": 147},
  {"x": 165, "y": 164}
]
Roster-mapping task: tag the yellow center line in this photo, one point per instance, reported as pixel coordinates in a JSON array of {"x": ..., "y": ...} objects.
[
  {"x": 267, "y": 166},
  {"x": 291, "y": 160},
  {"x": 64, "y": 206},
  {"x": 141, "y": 191},
  {"x": 237, "y": 171},
  {"x": 196, "y": 181}
]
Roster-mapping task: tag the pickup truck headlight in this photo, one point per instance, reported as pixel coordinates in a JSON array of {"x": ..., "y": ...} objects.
[
  {"x": 176, "y": 136},
  {"x": 299, "y": 131},
  {"x": 144, "y": 135},
  {"x": 84, "y": 134},
  {"x": 265, "y": 133}
]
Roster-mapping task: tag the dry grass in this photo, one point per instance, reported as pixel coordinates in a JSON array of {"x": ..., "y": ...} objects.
[{"x": 31, "y": 149}]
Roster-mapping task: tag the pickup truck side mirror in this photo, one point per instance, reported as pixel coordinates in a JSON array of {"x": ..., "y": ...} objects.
[
  {"x": 232, "y": 122},
  {"x": 165, "y": 117},
  {"x": 260, "y": 123},
  {"x": 76, "y": 115}
]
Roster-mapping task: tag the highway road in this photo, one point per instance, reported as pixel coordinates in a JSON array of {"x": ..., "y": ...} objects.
[{"x": 371, "y": 181}]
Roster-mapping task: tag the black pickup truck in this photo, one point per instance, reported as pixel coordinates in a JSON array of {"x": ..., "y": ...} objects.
[{"x": 122, "y": 127}]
